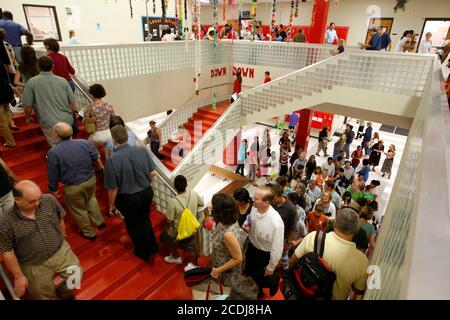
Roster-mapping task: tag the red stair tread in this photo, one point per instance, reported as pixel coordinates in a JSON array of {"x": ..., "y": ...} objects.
[
  {"x": 173, "y": 289},
  {"x": 110, "y": 277},
  {"x": 145, "y": 282}
]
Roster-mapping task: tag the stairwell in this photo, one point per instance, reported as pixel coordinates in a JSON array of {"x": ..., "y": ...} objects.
[
  {"x": 111, "y": 271},
  {"x": 204, "y": 119}
]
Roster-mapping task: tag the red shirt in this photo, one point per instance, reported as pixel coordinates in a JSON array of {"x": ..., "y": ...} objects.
[
  {"x": 61, "y": 65},
  {"x": 267, "y": 79},
  {"x": 236, "y": 86}
]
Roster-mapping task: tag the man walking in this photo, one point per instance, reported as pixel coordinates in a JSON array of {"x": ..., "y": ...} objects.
[
  {"x": 14, "y": 32},
  {"x": 32, "y": 241},
  {"x": 348, "y": 140},
  {"x": 71, "y": 162},
  {"x": 51, "y": 97},
  {"x": 128, "y": 176},
  {"x": 266, "y": 234},
  {"x": 331, "y": 35}
]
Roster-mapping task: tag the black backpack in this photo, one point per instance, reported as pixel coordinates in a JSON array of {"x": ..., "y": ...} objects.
[{"x": 310, "y": 278}]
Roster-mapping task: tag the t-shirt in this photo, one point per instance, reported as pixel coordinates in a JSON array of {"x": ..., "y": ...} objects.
[
  {"x": 267, "y": 79},
  {"x": 401, "y": 44},
  {"x": 368, "y": 228},
  {"x": 359, "y": 238},
  {"x": 330, "y": 36},
  {"x": 316, "y": 223},
  {"x": 293, "y": 120},
  {"x": 288, "y": 213},
  {"x": 14, "y": 31},
  {"x": 348, "y": 263},
  {"x": 5, "y": 184},
  {"x": 176, "y": 206}
]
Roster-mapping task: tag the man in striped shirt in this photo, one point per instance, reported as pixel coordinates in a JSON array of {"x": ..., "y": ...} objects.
[{"x": 32, "y": 241}]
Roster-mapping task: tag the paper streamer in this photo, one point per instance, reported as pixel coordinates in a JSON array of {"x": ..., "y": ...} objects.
[
  {"x": 272, "y": 21},
  {"x": 253, "y": 18},
  {"x": 290, "y": 20}
]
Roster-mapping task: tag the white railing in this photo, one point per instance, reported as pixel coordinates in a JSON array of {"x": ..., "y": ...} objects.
[
  {"x": 8, "y": 284},
  {"x": 183, "y": 113},
  {"x": 389, "y": 73},
  {"x": 103, "y": 62},
  {"x": 412, "y": 249}
]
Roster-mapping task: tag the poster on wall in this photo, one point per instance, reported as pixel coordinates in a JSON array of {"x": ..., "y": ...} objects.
[
  {"x": 42, "y": 21},
  {"x": 156, "y": 26}
]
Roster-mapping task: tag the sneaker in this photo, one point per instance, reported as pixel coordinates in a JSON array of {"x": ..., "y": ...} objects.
[
  {"x": 171, "y": 259},
  {"x": 190, "y": 266}
]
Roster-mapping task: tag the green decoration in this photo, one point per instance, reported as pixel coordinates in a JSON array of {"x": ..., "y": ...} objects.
[{"x": 401, "y": 4}]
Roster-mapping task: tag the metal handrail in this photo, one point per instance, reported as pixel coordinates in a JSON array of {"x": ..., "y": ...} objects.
[{"x": 8, "y": 283}]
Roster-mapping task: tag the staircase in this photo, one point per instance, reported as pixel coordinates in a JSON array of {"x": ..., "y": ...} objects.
[
  {"x": 203, "y": 119},
  {"x": 111, "y": 271}
]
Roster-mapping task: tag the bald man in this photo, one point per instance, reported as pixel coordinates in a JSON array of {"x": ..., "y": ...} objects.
[
  {"x": 266, "y": 234},
  {"x": 71, "y": 161},
  {"x": 32, "y": 241}
]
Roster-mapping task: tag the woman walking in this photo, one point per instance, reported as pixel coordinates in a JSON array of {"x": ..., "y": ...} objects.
[{"x": 388, "y": 162}]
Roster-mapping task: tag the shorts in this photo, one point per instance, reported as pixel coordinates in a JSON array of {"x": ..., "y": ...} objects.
[
  {"x": 189, "y": 244},
  {"x": 291, "y": 127}
]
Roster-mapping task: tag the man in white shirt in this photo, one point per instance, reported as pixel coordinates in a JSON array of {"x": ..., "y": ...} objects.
[
  {"x": 313, "y": 191},
  {"x": 266, "y": 235},
  {"x": 331, "y": 35},
  {"x": 341, "y": 255},
  {"x": 329, "y": 167},
  {"x": 349, "y": 171},
  {"x": 246, "y": 34},
  {"x": 425, "y": 45}
]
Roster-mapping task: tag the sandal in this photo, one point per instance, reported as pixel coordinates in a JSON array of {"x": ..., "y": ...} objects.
[
  {"x": 15, "y": 128},
  {"x": 7, "y": 146}
]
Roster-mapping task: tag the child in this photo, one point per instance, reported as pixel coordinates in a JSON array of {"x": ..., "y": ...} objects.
[
  {"x": 367, "y": 194},
  {"x": 356, "y": 157},
  {"x": 267, "y": 77},
  {"x": 316, "y": 220},
  {"x": 375, "y": 184},
  {"x": 365, "y": 170}
]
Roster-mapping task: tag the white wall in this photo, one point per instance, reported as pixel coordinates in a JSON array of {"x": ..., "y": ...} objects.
[{"x": 116, "y": 25}]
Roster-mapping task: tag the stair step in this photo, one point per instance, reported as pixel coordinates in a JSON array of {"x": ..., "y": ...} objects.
[
  {"x": 24, "y": 148},
  {"x": 110, "y": 277},
  {"x": 173, "y": 289},
  {"x": 25, "y": 132},
  {"x": 145, "y": 282},
  {"x": 19, "y": 119}
]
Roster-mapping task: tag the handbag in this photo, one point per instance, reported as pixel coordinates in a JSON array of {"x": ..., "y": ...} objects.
[
  {"x": 89, "y": 122},
  {"x": 220, "y": 288},
  {"x": 196, "y": 276}
]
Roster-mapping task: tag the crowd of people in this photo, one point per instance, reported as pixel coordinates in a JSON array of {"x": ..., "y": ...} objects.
[{"x": 254, "y": 238}]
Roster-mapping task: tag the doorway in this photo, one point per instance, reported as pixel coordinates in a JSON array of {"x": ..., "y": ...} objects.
[{"x": 440, "y": 30}]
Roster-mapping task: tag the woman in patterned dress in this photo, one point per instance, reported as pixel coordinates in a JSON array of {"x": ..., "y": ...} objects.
[{"x": 226, "y": 257}]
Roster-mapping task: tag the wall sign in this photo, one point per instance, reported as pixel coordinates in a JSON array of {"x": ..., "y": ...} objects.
[
  {"x": 218, "y": 72},
  {"x": 245, "y": 72}
]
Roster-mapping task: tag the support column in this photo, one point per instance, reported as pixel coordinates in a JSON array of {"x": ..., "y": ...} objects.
[
  {"x": 319, "y": 21},
  {"x": 231, "y": 152},
  {"x": 304, "y": 128}
]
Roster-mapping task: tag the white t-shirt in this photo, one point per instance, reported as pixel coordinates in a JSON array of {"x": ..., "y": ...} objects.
[
  {"x": 267, "y": 234},
  {"x": 425, "y": 47},
  {"x": 168, "y": 37},
  {"x": 330, "y": 36},
  {"x": 400, "y": 45},
  {"x": 344, "y": 259}
]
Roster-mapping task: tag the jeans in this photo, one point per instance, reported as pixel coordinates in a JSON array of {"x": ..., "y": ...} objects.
[
  {"x": 135, "y": 208},
  {"x": 240, "y": 169},
  {"x": 154, "y": 146}
]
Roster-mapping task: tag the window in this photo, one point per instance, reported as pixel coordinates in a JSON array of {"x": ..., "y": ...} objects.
[{"x": 42, "y": 22}]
